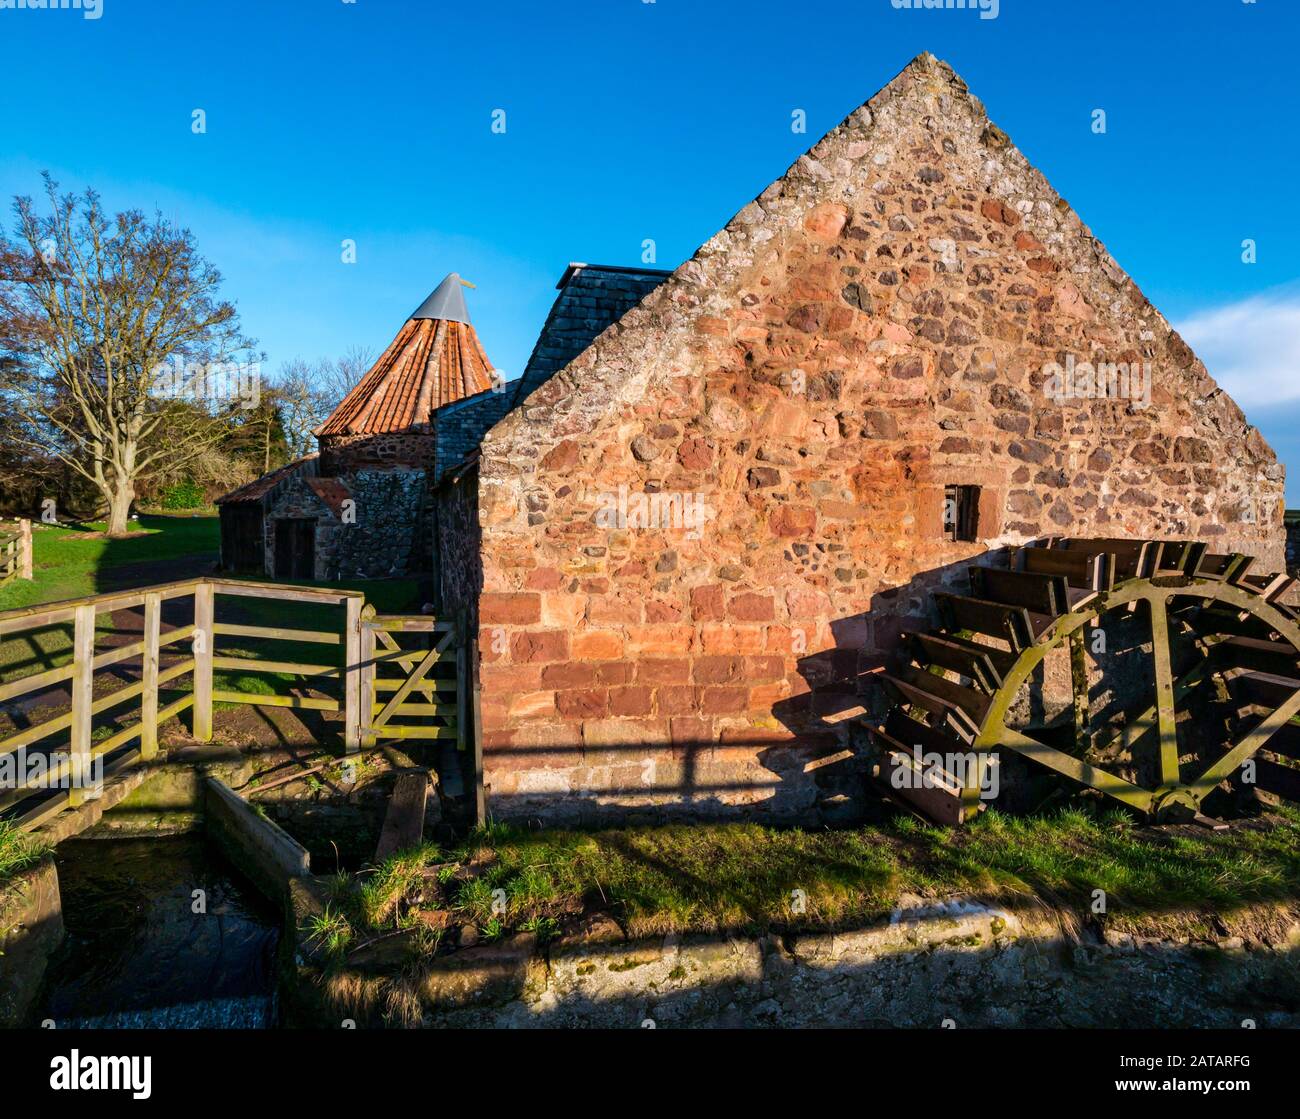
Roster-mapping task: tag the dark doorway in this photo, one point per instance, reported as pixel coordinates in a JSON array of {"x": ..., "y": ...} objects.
[
  {"x": 241, "y": 537},
  {"x": 295, "y": 548}
]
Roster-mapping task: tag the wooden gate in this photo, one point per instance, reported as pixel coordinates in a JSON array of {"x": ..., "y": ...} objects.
[{"x": 413, "y": 677}]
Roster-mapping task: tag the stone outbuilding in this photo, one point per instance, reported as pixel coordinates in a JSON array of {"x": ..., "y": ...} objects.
[
  {"x": 361, "y": 508},
  {"x": 716, "y": 496}
]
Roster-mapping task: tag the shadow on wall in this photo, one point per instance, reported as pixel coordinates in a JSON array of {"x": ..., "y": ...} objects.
[
  {"x": 809, "y": 766},
  {"x": 854, "y": 978}
]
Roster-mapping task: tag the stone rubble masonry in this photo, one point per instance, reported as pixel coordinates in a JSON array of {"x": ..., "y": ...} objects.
[
  {"x": 386, "y": 537},
  {"x": 389, "y": 536},
  {"x": 296, "y": 500},
  {"x": 873, "y": 328},
  {"x": 341, "y": 454}
]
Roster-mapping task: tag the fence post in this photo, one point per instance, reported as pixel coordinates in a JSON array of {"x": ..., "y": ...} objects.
[
  {"x": 476, "y": 723},
  {"x": 352, "y": 676},
  {"x": 462, "y": 678},
  {"x": 24, "y": 548},
  {"x": 366, "y": 679},
  {"x": 149, "y": 676},
  {"x": 83, "y": 682},
  {"x": 203, "y": 601}
]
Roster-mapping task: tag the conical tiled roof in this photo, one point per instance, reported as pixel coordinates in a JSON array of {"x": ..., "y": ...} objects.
[{"x": 435, "y": 359}]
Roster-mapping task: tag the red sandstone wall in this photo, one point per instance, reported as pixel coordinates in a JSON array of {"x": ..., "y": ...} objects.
[{"x": 873, "y": 328}]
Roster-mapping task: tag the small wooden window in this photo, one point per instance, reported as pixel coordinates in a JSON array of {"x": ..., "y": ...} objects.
[{"x": 961, "y": 505}]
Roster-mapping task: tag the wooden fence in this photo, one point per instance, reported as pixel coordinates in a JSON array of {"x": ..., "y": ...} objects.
[
  {"x": 426, "y": 699},
  {"x": 16, "y": 551}
]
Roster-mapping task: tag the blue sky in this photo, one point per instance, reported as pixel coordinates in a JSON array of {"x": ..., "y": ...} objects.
[{"x": 626, "y": 121}]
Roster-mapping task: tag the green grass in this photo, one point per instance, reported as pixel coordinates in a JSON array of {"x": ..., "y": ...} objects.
[
  {"x": 18, "y": 850},
  {"x": 74, "y": 561},
  {"x": 748, "y": 878},
  {"x": 388, "y": 596},
  {"x": 391, "y": 881},
  {"x": 329, "y": 931}
]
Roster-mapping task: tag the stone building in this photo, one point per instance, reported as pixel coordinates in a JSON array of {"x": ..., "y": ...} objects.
[
  {"x": 716, "y": 496},
  {"x": 361, "y": 508}
]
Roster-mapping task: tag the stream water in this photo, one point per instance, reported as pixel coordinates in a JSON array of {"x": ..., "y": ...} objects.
[{"x": 144, "y": 949}]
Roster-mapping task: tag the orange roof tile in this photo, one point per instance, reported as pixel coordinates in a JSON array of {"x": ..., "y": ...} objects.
[{"x": 430, "y": 363}]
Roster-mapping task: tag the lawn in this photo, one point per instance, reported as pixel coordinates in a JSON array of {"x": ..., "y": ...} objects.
[{"x": 73, "y": 561}]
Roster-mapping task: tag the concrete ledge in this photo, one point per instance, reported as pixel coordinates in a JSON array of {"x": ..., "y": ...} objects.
[
  {"x": 260, "y": 848},
  {"x": 73, "y": 821},
  {"x": 170, "y": 800},
  {"x": 959, "y": 959}
]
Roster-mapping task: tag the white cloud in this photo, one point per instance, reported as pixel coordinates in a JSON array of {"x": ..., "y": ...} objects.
[{"x": 1251, "y": 348}]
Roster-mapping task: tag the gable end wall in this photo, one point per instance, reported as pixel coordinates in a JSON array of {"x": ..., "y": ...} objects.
[{"x": 876, "y": 326}]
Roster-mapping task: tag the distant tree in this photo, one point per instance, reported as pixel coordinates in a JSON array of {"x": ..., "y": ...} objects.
[
  {"x": 304, "y": 401},
  {"x": 335, "y": 379},
  {"x": 115, "y": 343},
  {"x": 305, "y": 394},
  {"x": 261, "y": 438}
]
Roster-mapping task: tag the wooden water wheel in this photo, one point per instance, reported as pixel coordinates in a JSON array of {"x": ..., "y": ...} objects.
[{"x": 1219, "y": 658}]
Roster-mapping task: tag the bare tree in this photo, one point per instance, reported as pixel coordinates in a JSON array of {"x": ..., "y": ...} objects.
[
  {"x": 303, "y": 401},
  {"x": 335, "y": 379},
  {"x": 98, "y": 312},
  {"x": 305, "y": 393}
]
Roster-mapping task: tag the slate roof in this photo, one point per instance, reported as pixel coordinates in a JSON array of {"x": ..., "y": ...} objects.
[
  {"x": 462, "y": 425},
  {"x": 431, "y": 363},
  {"x": 592, "y": 297}
]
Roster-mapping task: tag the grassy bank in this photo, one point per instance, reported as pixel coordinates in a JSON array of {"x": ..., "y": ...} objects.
[
  {"x": 746, "y": 878},
  {"x": 18, "y": 851}
]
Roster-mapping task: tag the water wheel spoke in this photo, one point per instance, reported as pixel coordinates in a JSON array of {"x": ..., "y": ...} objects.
[
  {"x": 1253, "y": 741},
  {"x": 1075, "y": 768},
  {"x": 1079, "y": 687},
  {"x": 1166, "y": 712}
]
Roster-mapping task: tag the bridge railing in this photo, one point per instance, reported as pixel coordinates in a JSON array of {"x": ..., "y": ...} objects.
[{"x": 166, "y": 673}]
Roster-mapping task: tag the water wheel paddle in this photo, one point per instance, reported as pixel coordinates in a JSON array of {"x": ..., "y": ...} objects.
[{"x": 954, "y": 687}]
